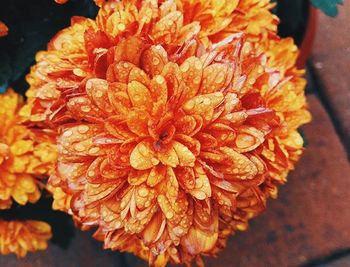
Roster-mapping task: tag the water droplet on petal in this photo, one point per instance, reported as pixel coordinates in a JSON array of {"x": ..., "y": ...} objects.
[
  {"x": 83, "y": 129},
  {"x": 143, "y": 192},
  {"x": 67, "y": 133},
  {"x": 85, "y": 109},
  {"x": 169, "y": 215}
]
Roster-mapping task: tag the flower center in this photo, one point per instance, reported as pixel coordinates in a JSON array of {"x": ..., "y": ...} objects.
[{"x": 165, "y": 137}]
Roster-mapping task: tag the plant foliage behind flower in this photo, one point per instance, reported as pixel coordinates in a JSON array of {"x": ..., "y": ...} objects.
[{"x": 329, "y": 7}]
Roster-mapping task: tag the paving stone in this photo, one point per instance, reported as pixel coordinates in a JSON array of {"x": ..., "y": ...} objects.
[
  {"x": 331, "y": 59},
  {"x": 342, "y": 262}
]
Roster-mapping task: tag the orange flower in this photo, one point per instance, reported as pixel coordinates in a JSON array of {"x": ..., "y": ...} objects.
[
  {"x": 165, "y": 142},
  {"x": 19, "y": 237},
  {"x": 3, "y": 29},
  {"x": 219, "y": 19},
  {"x": 24, "y": 155},
  {"x": 98, "y": 2}
]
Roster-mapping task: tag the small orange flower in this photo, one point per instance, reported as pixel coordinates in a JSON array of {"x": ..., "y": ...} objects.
[
  {"x": 19, "y": 237},
  {"x": 24, "y": 155},
  {"x": 3, "y": 29},
  {"x": 98, "y": 2},
  {"x": 165, "y": 141}
]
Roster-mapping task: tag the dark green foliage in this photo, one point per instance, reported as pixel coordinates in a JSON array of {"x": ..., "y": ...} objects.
[
  {"x": 294, "y": 16},
  {"x": 31, "y": 25},
  {"x": 329, "y": 7}
]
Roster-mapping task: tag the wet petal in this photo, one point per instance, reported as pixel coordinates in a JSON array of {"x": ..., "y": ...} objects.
[
  {"x": 154, "y": 59},
  {"x": 168, "y": 156},
  {"x": 203, "y": 234},
  {"x": 203, "y": 105},
  {"x": 248, "y": 138},
  {"x": 189, "y": 124},
  {"x": 192, "y": 71},
  {"x": 142, "y": 157},
  {"x": 239, "y": 165},
  {"x": 202, "y": 188},
  {"x": 139, "y": 95},
  {"x": 97, "y": 89},
  {"x": 164, "y": 31},
  {"x": 154, "y": 228},
  {"x": 82, "y": 108},
  {"x": 156, "y": 175},
  {"x": 118, "y": 128},
  {"x": 186, "y": 177},
  {"x": 119, "y": 97},
  {"x": 137, "y": 122},
  {"x": 159, "y": 93},
  {"x": 216, "y": 77},
  {"x": 185, "y": 156},
  {"x": 137, "y": 177}
]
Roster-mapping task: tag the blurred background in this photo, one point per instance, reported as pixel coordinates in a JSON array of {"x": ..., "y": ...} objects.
[{"x": 307, "y": 226}]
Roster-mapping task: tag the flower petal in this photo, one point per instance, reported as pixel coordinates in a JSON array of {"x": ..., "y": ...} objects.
[
  {"x": 97, "y": 89},
  {"x": 203, "y": 105},
  {"x": 216, "y": 78},
  {"x": 239, "y": 166},
  {"x": 139, "y": 95},
  {"x": 154, "y": 59},
  {"x": 192, "y": 71},
  {"x": 248, "y": 138},
  {"x": 143, "y": 157},
  {"x": 202, "y": 188},
  {"x": 185, "y": 156}
]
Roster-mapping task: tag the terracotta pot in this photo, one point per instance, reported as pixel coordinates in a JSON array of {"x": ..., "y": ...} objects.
[{"x": 309, "y": 37}]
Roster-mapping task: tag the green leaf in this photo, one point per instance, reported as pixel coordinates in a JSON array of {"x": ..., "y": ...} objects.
[{"x": 329, "y": 7}]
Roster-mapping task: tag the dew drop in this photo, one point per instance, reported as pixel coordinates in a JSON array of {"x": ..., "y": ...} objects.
[
  {"x": 154, "y": 161},
  {"x": 198, "y": 65},
  {"x": 94, "y": 150},
  {"x": 85, "y": 108},
  {"x": 67, "y": 133},
  {"x": 83, "y": 129},
  {"x": 206, "y": 101},
  {"x": 121, "y": 27},
  {"x": 185, "y": 67},
  {"x": 79, "y": 147},
  {"x": 155, "y": 61},
  {"x": 91, "y": 173},
  {"x": 159, "y": 79},
  {"x": 169, "y": 215},
  {"x": 143, "y": 192},
  {"x": 99, "y": 93}
]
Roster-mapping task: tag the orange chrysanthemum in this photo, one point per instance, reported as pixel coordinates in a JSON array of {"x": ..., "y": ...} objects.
[
  {"x": 163, "y": 141},
  {"x": 219, "y": 19},
  {"x": 24, "y": 155},
  {"x": 19, "y": 237}
]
